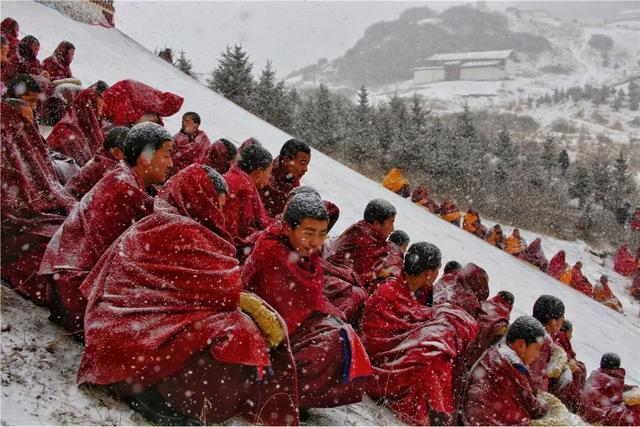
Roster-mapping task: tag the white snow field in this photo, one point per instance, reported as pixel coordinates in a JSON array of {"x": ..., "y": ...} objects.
[{"x": 39, "y": 361}]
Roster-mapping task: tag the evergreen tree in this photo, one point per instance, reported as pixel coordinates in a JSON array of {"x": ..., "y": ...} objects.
[
  {"x": 360, "y": 144},
  {"x": 265, "y": 100},
  {"x": 563, "y": 160},
  {"x": 232, "y": 78},
  {"x": 623, "y": 185},
  {"x": 184, "y": 64},
  {"x": 634, "y": 96},
  {"x": 581, "y": 184}
]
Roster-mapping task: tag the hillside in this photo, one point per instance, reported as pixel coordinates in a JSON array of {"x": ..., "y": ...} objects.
[{"x": 39, "y": 361}]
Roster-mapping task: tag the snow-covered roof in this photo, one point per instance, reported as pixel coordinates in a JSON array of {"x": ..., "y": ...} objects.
[
  {"x": 479, "y": 64},
  {"x": 470, "y": 56}
]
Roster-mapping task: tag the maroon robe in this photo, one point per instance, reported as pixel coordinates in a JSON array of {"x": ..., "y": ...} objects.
[
  {"x": 10, "y": 31},
  {"x": 413, "y": 350},
  {"x": 493, "y": 320},
  {"x": 579, "y": 282},
  {"x": 602, "y": 399},
  {"x": 499, "y": 391},
  {"x": 569, "y": 392},
  {"x": 558, "y": 265},
  {"x": 91, "y": 173},
  {"x": 188, "y": 150},
  {"x": 274, "y": 195},
  {"x": 535, "y": 256},
  {"x": 128, "y": 100},
  {"x": 329, "y": 356},
  {"x": 28, "y": 63},
  {"x": 102, "y": 215},
  {"x": 220, "y": 157},
  {"x": 58, "y": 65},
  {"x": 34, "y": 204},
  {"x": 538, "y": 368},
  {"x": 466, "y": 289}
]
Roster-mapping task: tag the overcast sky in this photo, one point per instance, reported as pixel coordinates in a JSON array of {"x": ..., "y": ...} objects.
[{"x": 291, "y": 34}]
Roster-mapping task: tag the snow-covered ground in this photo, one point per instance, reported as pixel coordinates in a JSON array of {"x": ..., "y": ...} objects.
[{"x": 39, "y": 361}]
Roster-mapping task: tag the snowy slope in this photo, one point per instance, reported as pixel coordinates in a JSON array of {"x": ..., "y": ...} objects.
[{"x": 110, "y": 55}]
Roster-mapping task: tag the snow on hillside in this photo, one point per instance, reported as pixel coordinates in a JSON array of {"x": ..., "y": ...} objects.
[{"x": 38, "y": 384}]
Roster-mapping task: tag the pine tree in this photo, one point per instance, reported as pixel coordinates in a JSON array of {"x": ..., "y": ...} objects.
[
  {"x": 264, "y": 96},
  {"x": 581, "y": 184},
  {"x": 549, "y": 155},
  {"x": 634, "y": 96},
  {"x": 184, "y": 64},
  {"x": 563, "y": 161},
  {"x": 623, "y": 185},
  {"x": 232, "y": 78}
]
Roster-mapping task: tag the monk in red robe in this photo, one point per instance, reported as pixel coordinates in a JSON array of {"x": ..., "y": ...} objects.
[
  {"x": 363, "y": 247},
  {"x": 413, "y": 347},
  {"x": 79, "y": 134},
  {"x": 190, "y": 145},
  {"x": 8, "y": 69},
  {"x": 569, "y": 391},
  {"x": 420, "y": 196},
  {"x": 624, "y": 263},
  {"x": 558, "y": 265},
  {"x": 103, "y": 214},
  {"x": 58, "y": 65},
  {"x": 472, "y": 223},
  {"x": 495, "y": 237},
  {"x": 604, "y": 295},
  {"x": 288, "y": 168},
  {"x": 494, "y": 320},
  {"x": 244, "y": 213},
  {"x": 467, "y": 289},
  {"x": 129, "y": 102},
  {"x": 28, "y": 62},
  {"x": 579, "y": 282},
  {"x": 224, "y": 155},
  {"x": 498, "y": 389},
  {"x": 534, "y": 255},
  {"x": 602, "y": 397},
  {"x": 187, "y": 338},
  {"x": 10, "y": 30},
  {"x": 34, "y": 204},
  {"x": 450, "y": 212},
  {"x": 285, "y": 270},
  {"x": 102, "y": 163}
]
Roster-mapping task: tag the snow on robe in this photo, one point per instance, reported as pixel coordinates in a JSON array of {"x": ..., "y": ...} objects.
[
  {"x": 58, "y": 65},
  {"x": 342, "y": 289},
  {"x": 8, "y": 70},
  {"x": 34, "y": 204},
  {"x": 499, "y": 391},
  {"x": 28, "y": 62},
  {"x": 569, "y": 391},
  {"x": 329, "y": 356},
  {"x": 580, "y": 283},
  {"x": 91, "y": 173},
  {"x": 79, "y": 134},
  {"x": 466, "y": 289},
  {"x": 602, "y": 401},
  {"x": 538, "y": 368},
  {"x": 624, "y": 263},
  {"x": 535, "y": 256},
  {"x": 494, "y": 320},
  {"x": 101, "y": 216},
  {"x": 362, "y": 249},
  {"x": 420, "y": 196},
  {"x": 515, "y": 245},
  {"x": 558, "y": 266},
  {"x": 472, "y": 224},
  {"x": 413, "y": 350},
  {"x": 220, "y": 158},
  {"x": 244, "y": 213},
  {"x": 188, "y": 150},
  {"x": 10, "y": 31},
  {"x": 274, "y": 195},
  {"x": 128, "y": 100}
]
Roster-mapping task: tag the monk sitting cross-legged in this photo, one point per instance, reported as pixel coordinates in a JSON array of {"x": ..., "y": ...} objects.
[
  {"x": 285, "y": 270},
  {"x": 191, "y": 144},
  {"x": 168, "y": 326}
]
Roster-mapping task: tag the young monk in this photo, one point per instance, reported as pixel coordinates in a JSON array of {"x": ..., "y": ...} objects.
[
  {"x": 8, "y": 67},
  {"x": 401, "y": 240},
  {"x": 10, "y": 30},
  {"x": 34, "y": 204},
  {"x": 101, "y": 164},
  {"x": 285, "y": 270},
  {"x": 413, "y": 347},
  {"x": 579, "y": 282},
  {"x": 58, "y": 65},
  {"x": 224, "y": 155},
  {"x": 559, "y": 269},
  {"x": 569, "y": 391},
  {"x": 244, "y": 213},
  {"x": 603, "y": 398},
  {"x": 515, "y": 244},
  {"x": 534, "y": 255},
  {"x": 168, "y": 325},
  {"x": 604, "y": 295},
  {"x": 471, "y": 223},
  {"x": 191, "y": 144},
  {"x": 288, "y": 168},
  {"x": 494, "y": 320},
  {"x": 363, "y": 247},
  {"x": 117, "y": 201},
  {"x": 28, "y": 62},
  {"x": 450, "y": 212},
  {"x": 420, "y": 196},
  {"x": 498, "y": 389},
  {"x": 467, "y": 289},
  {"x": 495, "y": 237}
]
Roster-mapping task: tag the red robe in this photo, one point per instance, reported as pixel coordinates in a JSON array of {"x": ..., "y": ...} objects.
[
  {"x": 58, "y": 64},
  {"x": 499, "y": 391},
  {"x": 569, "y": 392},
  {"x": 128, "y": 100},
  {"x": 79, "y": 134},
  {"x": 624, "y": 263},
  {"x": 465, "y": 289},
  {"x": 362, "y": 249},
  {"x": 342, "y": 289},
  {"x": 495, "y": 316},
  {"x": 602, "y": 399},
  {"x": 34, "y": 204},
  {"x": 538, "y": 368},
  {"x": 580, "y": 283},
  {"x": 413, "y": 350},
  {"x": 274, "y": 195},
  {"x": 163, "y": 309},
  {"x": 634, "y": 289},
  {"x": 8, "y": 70},
  {"x": 220, "y": 158},
  {"x": 188, "y": 150},
  {"x": 604, "y": 295},
  {"x": 635, "y": 222},
  {"x": 102, "y": 215},
  {"x": 557, "y": 266},
  {"x": 244, "y": 213},
  {"x": 535, "y": 256},
  {"x": 329, "y": 356},
  {"x": 91, "y": 173},
  {"x": 10, "y": 30},
  {"x": 28, "y": 63}
]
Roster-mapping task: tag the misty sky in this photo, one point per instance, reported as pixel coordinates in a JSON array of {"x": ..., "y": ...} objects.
[{"x": 291, "y": 34}]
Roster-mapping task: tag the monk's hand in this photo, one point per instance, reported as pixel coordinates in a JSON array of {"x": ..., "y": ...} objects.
[
  {"x": 264, "y": 318},
  {"x": 632, "y": 396},
  {"x": 384, "y": 273},
  {"x": 557, "y": 363},
  {"x": 573, "y": 365}
]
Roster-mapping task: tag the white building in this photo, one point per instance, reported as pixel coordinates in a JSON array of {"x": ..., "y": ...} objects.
[{"x": 488, "y": 65}]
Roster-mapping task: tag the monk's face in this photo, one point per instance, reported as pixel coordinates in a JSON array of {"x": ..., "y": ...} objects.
[
  {"x": 4, "y": 52},
  {"x": 32, "y": 99},
  {"x": 298, "y": 166},
  {"x": 553, "y": 326},
  {"x": 189, "y": 126},
  {"x": 307, "y": 237},
  {"x": 70, "y": 54},
  {"x": 222, "y": 199},
  {"x": 527, "y": 353},
  {"x": 385, "y": 228},
  {"x": 261, "y": 176},
  {"x": 569, "y": 334},
  {"x": 116, "y": 153},
  {"x": 27, "y": 113},
  {"x": 154, "y": 168}
]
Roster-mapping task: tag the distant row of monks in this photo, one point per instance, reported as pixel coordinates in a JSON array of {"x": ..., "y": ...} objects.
[{"x": 201, "y": 281}]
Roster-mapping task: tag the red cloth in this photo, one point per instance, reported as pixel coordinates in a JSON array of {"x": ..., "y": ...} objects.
[
  {"x": 602, "y": 399},
  {"x": 58, "y": 65},
  {"x": 79, "y": 134},
  {"x": 362, "y": 249},
  {"x": 558, "y": 265},
  {"x": 413, "y": 350},
  {"x": 635, "y": 222},
  {"x": 10, "y": 30},
  {"x": 188, "y": 150},
  {"x": 466, "y": 289},
  {"x": 28, "y": 63},
  {"x": 495, "y": 316},
  {"x": 220, "y": 158},
  {"x": 499, "y": 391},
  {"x": 421, "y": 197},
  {"x": 569, "y": 393},
  {"x": 604, "y": 295},
  {"x": 580, "y": 283},
  {"x": 634, "y": 289},
  {"x": 102, "y": 215},
  {"x": 34, "y": 204},
  {"x": 274, "y": 195},
  {"x": 538, "y": 368},
  {"x": 535, "y": 256},
  {"x": 92, "y": 172},
  {"x": 624, "y": 263},
  {"x": 342, "y": 289},
  {"x": 128, "y": 100},
  {"x": 243, "y": 211},
  {"x": 8, "y": 71}
]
